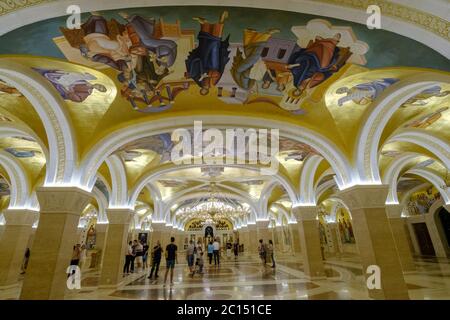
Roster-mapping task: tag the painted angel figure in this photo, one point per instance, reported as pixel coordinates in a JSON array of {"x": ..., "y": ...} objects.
[{"x": 364, "y": 93}]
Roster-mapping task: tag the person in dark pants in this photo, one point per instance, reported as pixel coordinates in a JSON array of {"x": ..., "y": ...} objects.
[
  {"x": 133, "y": 256},
  {"x": 128, "y": 258},
  {"x": 156, "y": 259},
  {"x": 216, "y": 252},
  {"x": 210, "y": 251}
]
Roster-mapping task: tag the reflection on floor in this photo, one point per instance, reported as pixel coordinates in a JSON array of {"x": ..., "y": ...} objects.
[{"x": 246, "y": 278}]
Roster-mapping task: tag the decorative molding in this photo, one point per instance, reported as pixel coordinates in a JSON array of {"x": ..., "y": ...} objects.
[
  {"x": 410, "y": 15},
  {"x": 119, "y": 216},
  {"x": 305, "y": 213},
  {"x": 8, "y": 6}
]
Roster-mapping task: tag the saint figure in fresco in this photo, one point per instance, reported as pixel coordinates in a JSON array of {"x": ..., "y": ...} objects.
[
  {"x": 420, "y": 99},
  {"x": 73, "y": 86},
  {"x": 141, "y": 32},
  {"x": 314, "y": 64},
  {"x": 5, "y": 88},
  {"x": 244, "y": 62},
  {"x": 206, "y": 63},
  {"x": 101, "y": 41},
  {"x": 364, "y": 93},
  {"x": 427, "y": 120}
]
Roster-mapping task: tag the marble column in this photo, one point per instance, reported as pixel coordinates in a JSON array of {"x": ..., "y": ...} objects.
[
  {"x": 13, "y": 245},
  {"x": 278, "y": 236},
  {"x": 334, "y": 239},
  {"x": 263, "y": 231},
  {"x": 244, "y": 238},
  {"x": 101, "y": 230},
  {"x": 116, "y": 244},
  {"x": 252, "y": 239},
  {"x": 160, "y": 233},
  {"x": 399, "y": 232},
  {"x": 60, "y": 210},
  {"x": 375, "y": 241},
  {"x": 308, "y": 227},
  {"x": 295, "y": 239}
]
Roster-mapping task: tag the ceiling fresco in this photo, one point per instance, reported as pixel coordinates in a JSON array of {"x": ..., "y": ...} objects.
[{"x": 125, "y": 67}]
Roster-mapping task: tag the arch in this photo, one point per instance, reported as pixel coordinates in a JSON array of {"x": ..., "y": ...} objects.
[
  {"x": 153, "y": 175},
  {"x": 378, "y": 115},
  {"x": 49, "y": 105},
  {"x": 119, "y": 193},
  {"x": 392, "y": 175},
  {"x": 437, "y": 146},
  {"x": 308, "y": 171},
  {"x": 320, "y": 190},
  {"x": 20, "y": 188},
  {"x": 100, "y": 151},
  {"x": 435, "y": 180},
  {"x": 102, "y": 205}
]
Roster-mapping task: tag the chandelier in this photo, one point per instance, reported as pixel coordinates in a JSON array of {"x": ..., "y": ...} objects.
[{"x": 213, "y": 208}]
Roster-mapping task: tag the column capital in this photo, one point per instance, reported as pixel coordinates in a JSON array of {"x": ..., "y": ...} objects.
[
  {"x": 69, "y": 200},
  {"x": 394, "y": 210},
  {"x": 365, "y": 196},
  {"x": 101, "y": 227},
  {"x": 262, "y": 223},
  {"x": 20, "y": 217},
  {"x": 119, "y": 216},
  {"x": 251, "y": 226},
  {"x": 158, "y": 226},
  {"x": 303, "y": 213}
]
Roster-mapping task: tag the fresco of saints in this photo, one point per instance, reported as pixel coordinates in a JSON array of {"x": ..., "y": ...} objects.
[
  {"x": 427, "y": 120},
  {"x": 206, "y": 63},
  {"x": 73, "y": 86},
  {"x": 244, "y": 62},
  {"x": 314, "y": 64},
  {"x": 364, "y": 93},
  {"x": 419, "y": 100}
]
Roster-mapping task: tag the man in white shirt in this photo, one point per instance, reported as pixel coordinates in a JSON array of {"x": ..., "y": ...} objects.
[{"x": 216, "y": 252}]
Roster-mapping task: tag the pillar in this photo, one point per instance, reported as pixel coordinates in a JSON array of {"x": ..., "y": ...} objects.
[
  {"x": 116, "y": 244},
  {"x": 244, "y": 238},
  {"x": 60, "y": 210},
  {"x": 100, "y": 242},
  {"x": 308, "y": 228},
  {"x": 375, "y": 240},
  {"x": 278, "y": 236},
  {"x": 295, "y": 239},
  {"x": 159, "y": 233},
  {"x": 13, "y": 245},
  {"x": 253, "y": 239},
  {"x": 399, "y": 232},
  {"x": 263, "y": 231},
  {"x": 334, "y": 239}
]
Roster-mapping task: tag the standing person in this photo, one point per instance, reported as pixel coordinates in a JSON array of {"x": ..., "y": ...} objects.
[
  {"x": 190, "y": 251},
  {"x": 270, "y": 250},
  {"x": 76, "y": 255},
  {"x": 216, "y": 252},
  {"x": 82, "y": 256},
  {"x": 145, "y": 256},
  {"x": 128, "y": 258},
  {"x": 200, "y": 262},
  {"x": 171, "y": 257},
  {"x": 262, "y": 252},
  {"x": 156, "y": 259},
  {"x": 139, "y": 250},
  {"x": 229, "y": 246},
  {"x": 210, "y": 251},
  {"x": 133, "y": 256},
  {"x": 199, "y": 248},
  {"x": 25, "y": 260},
  {"x": 236, "y": 249}
]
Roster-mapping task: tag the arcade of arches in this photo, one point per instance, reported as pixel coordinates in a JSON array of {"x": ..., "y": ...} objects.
[{"x": 88, "y": 112}]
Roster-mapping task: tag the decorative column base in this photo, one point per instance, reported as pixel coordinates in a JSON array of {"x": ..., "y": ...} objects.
[
  {"x": 375, "y": 241},
  {"x": 60, "y": 210},
  {"x": 13, "y": 245},
  {"x": 116, "y": 244},
  {"x": 308, "y": 227}
]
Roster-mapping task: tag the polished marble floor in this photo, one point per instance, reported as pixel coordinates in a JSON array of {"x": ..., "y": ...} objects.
[{"x": 246, "y": 278}]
